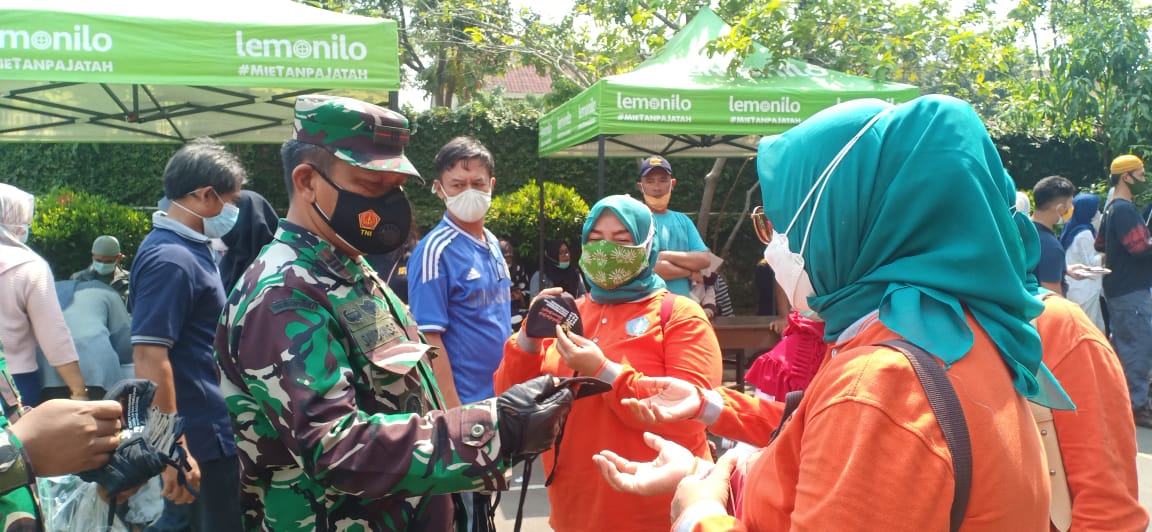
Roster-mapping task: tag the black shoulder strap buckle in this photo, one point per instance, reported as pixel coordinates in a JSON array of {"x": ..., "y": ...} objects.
[{"x": 791, "y": 401}]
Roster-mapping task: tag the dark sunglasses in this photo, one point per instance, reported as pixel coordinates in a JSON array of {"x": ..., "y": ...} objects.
[{"x": 762, "y": 225}]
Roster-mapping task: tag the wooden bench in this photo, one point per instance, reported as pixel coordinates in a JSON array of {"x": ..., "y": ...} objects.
[{"x": 747, "y": 336}]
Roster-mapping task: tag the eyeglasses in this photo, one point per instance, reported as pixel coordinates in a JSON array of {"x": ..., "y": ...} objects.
[{"x": 762, "y": 225}]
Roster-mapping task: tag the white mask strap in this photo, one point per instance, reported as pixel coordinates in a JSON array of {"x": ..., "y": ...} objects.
[
  {"x": 651, "y": 234},
  {"x": 822, "y": 181}
]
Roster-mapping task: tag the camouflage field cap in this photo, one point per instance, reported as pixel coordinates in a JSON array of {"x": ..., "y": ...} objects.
[{"x": 356, "y": 132}]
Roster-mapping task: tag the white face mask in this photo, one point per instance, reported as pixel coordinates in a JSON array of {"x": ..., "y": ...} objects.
[
  {"x": 469, "y": 206},
  {"x": 789, "y": 270},
  {"x": 788, "y": 265},
  {"x": 20, "y": 232}
]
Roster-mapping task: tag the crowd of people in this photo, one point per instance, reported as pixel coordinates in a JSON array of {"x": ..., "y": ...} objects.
[{"x": 334, "y": 370}]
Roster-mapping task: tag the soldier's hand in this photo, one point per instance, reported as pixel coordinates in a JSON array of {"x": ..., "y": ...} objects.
[
  {"x": 62, "y": 436},
  {"x": 529, "y": 415},
  {"x": 173, "y": 490}
]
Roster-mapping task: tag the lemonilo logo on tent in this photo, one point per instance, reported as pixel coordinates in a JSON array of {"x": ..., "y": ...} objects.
[
  {"x": 337, "y": 48},
  {"x": 80, "y": 39},
  {"x": 673, "y": 102},
  {"x": 783, "y": 105}
]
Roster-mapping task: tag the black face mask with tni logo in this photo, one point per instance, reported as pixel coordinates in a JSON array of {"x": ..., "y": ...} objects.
[{"x": 370, "y": 225}]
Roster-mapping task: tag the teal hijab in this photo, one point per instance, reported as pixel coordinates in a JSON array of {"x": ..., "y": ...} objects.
[
  {"x": 638, "y": 219},
  {"x": 913, "y": 223},
  {"x": 1051, "y": 394}
]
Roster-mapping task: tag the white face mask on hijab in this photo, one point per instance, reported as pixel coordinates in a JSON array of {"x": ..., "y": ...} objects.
[
  {"x": 19, "y": 232},
  {"x": 16, "y": 209},
  {"x": 788, "y": 265}
]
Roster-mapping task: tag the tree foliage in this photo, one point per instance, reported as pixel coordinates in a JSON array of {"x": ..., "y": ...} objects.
[
  {"x": 515, "y": 216},
  {"x": 448, "y": 45},
  {"x": 1094, "y": 77}
]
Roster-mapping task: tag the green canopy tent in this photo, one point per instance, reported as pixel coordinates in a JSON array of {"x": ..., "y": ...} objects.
[
  {"x": 163, "y": 71},
  {"x": 683, "y": 103}
]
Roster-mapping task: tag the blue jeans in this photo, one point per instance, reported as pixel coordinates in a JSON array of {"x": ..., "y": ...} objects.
[{"x": 1131, "y": 322}]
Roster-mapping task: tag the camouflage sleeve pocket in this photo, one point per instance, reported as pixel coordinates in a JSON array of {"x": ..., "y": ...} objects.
[
  {"x": 477, "y": 424},
  {"x": 389, "y": 365}
]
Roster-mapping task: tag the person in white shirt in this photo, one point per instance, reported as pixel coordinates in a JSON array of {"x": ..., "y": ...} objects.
[{"x": 1078, "y": 239}]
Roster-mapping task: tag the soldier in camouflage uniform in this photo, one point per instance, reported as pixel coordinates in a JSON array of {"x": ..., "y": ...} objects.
[
  {"x": 35, "y": 447},
  {"x": 328, "y": 383}
]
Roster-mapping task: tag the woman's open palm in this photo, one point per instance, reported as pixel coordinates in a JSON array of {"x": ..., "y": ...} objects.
[
  {"x": 665, "y": 399},
  {"x": 660, "y": 476}
]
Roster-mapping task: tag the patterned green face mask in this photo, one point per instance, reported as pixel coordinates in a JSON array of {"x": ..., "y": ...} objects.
[{"x": 611, "y": 265}]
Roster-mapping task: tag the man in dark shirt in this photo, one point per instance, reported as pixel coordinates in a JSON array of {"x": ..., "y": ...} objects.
[
  {"x": 177, "y": 295},
  {"x": 1127, "y": 247},
  {"x": 1053, "y": 196}
]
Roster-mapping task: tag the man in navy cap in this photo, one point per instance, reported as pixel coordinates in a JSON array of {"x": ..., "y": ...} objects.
[{"x": 682, "y": 252}]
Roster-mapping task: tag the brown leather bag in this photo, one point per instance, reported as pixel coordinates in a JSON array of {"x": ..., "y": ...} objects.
[{"x": 1061, "y": 504}]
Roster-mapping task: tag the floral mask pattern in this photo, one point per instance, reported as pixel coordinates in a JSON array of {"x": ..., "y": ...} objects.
[{"x": 610, "y": 265}]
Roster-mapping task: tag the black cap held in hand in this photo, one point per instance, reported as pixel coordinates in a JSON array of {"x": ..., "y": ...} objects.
[{"x": 548, "y": 311}]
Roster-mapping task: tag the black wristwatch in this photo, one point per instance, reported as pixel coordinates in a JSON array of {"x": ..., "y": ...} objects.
[{"x": 15, "y": 469}]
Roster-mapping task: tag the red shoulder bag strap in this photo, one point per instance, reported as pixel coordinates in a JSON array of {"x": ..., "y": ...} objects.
[{"x": 666, "y": 307}]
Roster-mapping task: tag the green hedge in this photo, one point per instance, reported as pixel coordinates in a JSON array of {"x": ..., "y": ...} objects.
[
  {"x": 129, "y": 174},
  {"x": 515, "y": 216},
  {"x": 66, "y": 222}
]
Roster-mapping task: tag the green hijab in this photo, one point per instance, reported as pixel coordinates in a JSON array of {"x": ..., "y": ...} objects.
[
  {"x": 913, "y": 223},
  {"x": 638, "y": 219}
]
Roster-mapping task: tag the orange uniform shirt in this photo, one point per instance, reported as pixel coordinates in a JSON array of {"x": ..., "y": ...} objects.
[
  {"x": 686, "y": 348},
  {"x": 864, "y": 451},
  {"x": 1098, "y": 439}
]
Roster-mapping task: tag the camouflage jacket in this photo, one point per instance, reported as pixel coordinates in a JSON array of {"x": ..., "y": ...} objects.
[
  {"x": 19, "y": 508},
  {"x": 333, "y": 400}
]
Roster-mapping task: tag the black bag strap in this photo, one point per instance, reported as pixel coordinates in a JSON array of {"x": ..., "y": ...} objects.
[
  {"x": 791, "y": 401},
  {"x": 950, "y": 415},
  {"x": 946, "y": 407}
]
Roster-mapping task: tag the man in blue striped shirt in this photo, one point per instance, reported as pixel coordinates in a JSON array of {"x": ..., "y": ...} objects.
[{"x": 458, "y": 282}]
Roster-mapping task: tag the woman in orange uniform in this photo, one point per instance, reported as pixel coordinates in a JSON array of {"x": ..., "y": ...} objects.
[
  {"x": 630, "y": 332},
  {"x": 871, "y": 196},
  {"x": 1097, "y": 441}
]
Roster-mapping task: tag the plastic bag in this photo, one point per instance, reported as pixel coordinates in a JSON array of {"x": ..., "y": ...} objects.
[
  {"x": 72, "y": 505},
  {"x": 146, "y": 505}
]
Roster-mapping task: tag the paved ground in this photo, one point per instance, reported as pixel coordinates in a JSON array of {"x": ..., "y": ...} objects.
[{"x": 536, "y": 504}]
